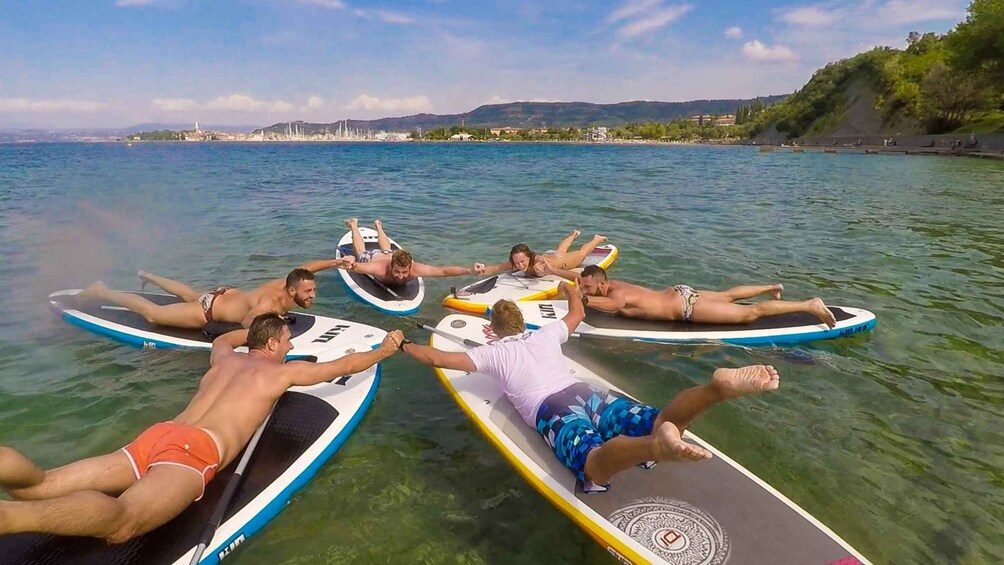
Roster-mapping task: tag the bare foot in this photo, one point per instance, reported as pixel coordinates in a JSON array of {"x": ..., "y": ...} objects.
[
  {"x": 671, "y": 447},
  {"x": 352, "y": 222},
  {"x": 94, "y": 292},
  {"x": 734, "y": 383},
  {"x": 575, "y": 234},
  {"x": 776, "y": 290},
  {"x": 144, "y": 279},
  {"x": 598, "y": 239},
  {"x": 818, "y": 309},
  {"x": 378, "y": 224}
]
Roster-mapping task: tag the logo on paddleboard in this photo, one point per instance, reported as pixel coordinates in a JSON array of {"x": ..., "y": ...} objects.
[
  {"x": 675, "y": 530},
  {"x": 458, "y": 324}
]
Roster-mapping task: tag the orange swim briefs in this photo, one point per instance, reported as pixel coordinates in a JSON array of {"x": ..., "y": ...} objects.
[{"x": 169, "y": 443}]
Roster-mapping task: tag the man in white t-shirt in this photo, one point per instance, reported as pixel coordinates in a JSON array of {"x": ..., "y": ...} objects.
[{"x": 594, "y": 433}]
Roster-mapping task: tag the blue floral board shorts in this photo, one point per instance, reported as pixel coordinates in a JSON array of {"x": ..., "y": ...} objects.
[{"x": 578, "y": 419}]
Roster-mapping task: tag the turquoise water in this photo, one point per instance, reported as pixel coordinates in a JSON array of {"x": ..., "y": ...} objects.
[{"x": 893, "y": 438}]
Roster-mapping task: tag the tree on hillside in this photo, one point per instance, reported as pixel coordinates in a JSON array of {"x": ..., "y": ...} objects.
[
  {"x": 977, "y": 44},
  {"x": 950, "y": 97}
]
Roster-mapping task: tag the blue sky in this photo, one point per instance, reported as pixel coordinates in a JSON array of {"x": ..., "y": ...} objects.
[{"x": 90, "y": 63}]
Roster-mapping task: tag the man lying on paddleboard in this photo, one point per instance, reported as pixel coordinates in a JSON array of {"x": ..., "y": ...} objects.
[
  {"x": 223, "y": 304},
  {"x": 134, "y": 490},
  {"x": 594, "y": 433},
  {"x": 683, "y": 303},
  {"x": 521, "y": 258},
  {"x": 394, "y": 267}
]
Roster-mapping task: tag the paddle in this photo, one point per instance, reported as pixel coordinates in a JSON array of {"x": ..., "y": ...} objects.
[
  {"x": 449, "y": 336},
  {"x": 381, "y": 284},
  {"x": 228, "y": 494}
]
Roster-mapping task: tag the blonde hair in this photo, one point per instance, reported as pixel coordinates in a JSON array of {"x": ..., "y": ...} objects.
[
  {"x": 401, "y": 258},
  {"x": 506, "y": 319}
]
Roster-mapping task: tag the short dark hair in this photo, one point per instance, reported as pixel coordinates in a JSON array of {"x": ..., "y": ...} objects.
[
  {"x": 594, "y": 271},
  {"x": 265, "y": 327},
  {"x": 296, "y": 276}
]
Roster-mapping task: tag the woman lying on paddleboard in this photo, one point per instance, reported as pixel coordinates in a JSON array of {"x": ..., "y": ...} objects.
[{"x": 523, "y": 259}]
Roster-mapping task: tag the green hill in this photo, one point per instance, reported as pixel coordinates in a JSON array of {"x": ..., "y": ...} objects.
[
  {"x": 541, "y": 114},
  {"x": 938, "y": 84}
]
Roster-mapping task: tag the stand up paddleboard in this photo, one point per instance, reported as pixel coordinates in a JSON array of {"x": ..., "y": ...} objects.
[
  {"x": 307, "y": 426},
  {"x": 709, "y": 512},
  {"x": 769, "y": 330},
  {"x": 477, "y": 298},
  {"x": 311, "y": 334},
  {"x": 399, "y": 300}
]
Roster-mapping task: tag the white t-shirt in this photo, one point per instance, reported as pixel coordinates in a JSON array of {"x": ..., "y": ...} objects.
[{"x": 529, "y": 366}]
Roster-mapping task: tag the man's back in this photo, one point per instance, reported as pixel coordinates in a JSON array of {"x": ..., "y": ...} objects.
[{"x": 233, "y": 399}]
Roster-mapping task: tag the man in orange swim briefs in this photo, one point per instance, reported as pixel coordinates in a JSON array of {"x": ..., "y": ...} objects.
[{"x": 153, "y": 479}]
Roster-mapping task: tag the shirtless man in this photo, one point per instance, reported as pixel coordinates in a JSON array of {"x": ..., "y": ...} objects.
[
  {"x": 223, "y": 304},
  {"x": 683, "y": 303},
  {"x": 522, "y": 258},
  {"x": 394, "y": 268},
  {"x": 595, "y": 433},
  {"x": 127, "y": 493}
]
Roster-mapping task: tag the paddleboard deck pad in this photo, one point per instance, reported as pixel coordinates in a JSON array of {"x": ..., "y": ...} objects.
[
  {"x": 397, "y": 300},
  {"x": 478, "y": 297},
  {"x": 307, "y": 427},
  {"x": 312, "y": 334},
  {"x": 710, "y": 512},
  {"x": 769, "y": 330}
]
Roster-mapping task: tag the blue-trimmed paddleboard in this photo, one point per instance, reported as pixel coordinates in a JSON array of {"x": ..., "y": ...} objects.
[
  {"x": 770, "y": 330},
  {"x": 402, "y": 300},
  {"x": 312, "y": 335},
  {"x": 308, "y": 425}
]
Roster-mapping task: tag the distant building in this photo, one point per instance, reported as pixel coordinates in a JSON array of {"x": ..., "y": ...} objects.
[
  {"x": 506, "y": 131},
  {"x": 708, "y": 119},
  {"x": 460, "y": 137},
  {"x": 597, "y": 134}
]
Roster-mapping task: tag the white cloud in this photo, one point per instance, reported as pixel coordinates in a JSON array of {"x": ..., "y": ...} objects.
[
  {"x": 175, "y": 104},
  {"x": 496, "y": 99},
  {"x": 46, "y": 106},
  {"x": 127, "y": 3},
  {"x": 810, "y": 16},
  {"x": 630, "y": 8},
  {"x": 760, "y": 53},
  {"x": 900, "y": 12},
  {"x": 245, "y": 103},
  {"x": 734, "y": 32},
  {"x": 333, "y": 4},
  {"x": 370, "y": 103},
  {"x": 653, "y": 21},
  {"x": 315, "y": 103}
]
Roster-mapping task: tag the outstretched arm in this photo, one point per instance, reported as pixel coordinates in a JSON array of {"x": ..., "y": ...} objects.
[
  {"x": 545, "y": 268},
  {"x": 423, "y": 270},
  {"x": 443, "y": 359},
  {"x": 611, "y": 304},
  {"x": 498, "y": 268},
  {"x": 372, "y": 269},
  {"x": 303, "y": 373},
  {"x": 224, "y": 345},
  {"x": 324, "y": 264},
  {"x": 576, "y": 308}
]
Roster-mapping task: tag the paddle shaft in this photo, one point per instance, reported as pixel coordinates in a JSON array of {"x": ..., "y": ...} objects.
[
  {"x": 447, "y": 335},
  {"x": 228, "y": 494},
  {"x": 384, "y": 286}
]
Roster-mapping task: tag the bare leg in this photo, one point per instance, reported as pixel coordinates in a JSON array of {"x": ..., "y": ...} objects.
[
  {"x": 711, "y": 312},
  {"x": 162, "y": 494},
  {"x": 743, "y": 292},
  {"x": 358, "y": 245},
  {"x": 573, "y": 260},
  {"x": 564, "y": 244},
  {"x": 179, "y": 289},
  {"x": 666, "y": 443},
  {"x": 22, "y": 479},
  {"x": 382, "y": 240},
  {"x": 182, "y": 315}
]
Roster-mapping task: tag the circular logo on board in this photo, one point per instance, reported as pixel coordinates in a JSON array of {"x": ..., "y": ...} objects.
[
  {"x": 674, "y": 530},
  {"x": 458, "y": 324},
  {"x": 350, "y": 350}
]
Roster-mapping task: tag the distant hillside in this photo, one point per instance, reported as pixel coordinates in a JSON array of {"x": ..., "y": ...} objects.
[
  {"x": 542, "y": 114},
  {"x": 938, "y": 84}
]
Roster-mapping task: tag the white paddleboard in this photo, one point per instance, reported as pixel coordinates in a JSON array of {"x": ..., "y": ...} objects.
[
  {"x": 307, "y": 427},
  {"x": 709, "y": 512},
  {"x": 397, "y": 300},
  {"x": 311, "y": 334},
  {"x": 477, "y": 298},
  {"x": 770, "y": 330}
]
